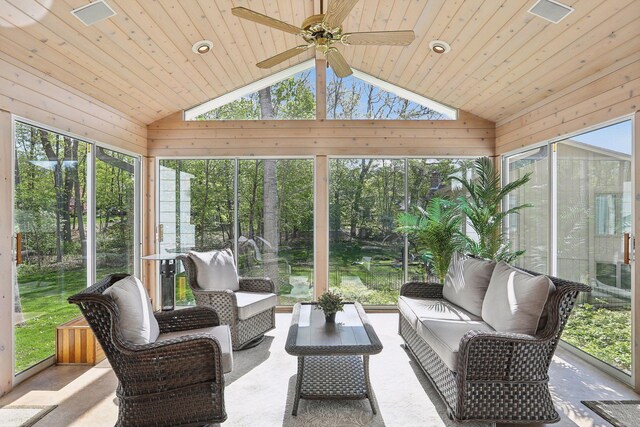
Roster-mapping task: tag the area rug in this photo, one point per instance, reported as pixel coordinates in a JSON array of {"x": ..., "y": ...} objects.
[
  {"x": 23, "y": 415},
  {"x": 620, "y": 413}
]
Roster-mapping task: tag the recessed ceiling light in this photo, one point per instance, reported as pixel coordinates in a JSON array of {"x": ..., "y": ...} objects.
[
  {"x": 202, "y": 47},
  {"x": 439, "y": 46}
]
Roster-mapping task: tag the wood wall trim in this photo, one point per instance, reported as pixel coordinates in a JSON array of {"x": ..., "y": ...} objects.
[
  {"x": 30, "y": 94},
  {"x": 467, "y": 136},
  {"x": 6, "y": 253},
  {"x": 321, "y": 226},
  {"x": 611, "y": 94}
]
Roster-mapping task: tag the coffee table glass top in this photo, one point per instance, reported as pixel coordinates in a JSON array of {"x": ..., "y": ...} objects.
[{"x": 314, "y": 331}]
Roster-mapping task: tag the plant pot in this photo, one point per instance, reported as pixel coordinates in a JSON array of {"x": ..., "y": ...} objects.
[{"x": 330, "y": 318}]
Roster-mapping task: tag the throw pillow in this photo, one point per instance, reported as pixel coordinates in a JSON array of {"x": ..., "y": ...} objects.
[
  {"x": 137, "y": 322},
  {"x": 515, "y": 300},
  {"x": 467, "y": 281},
  {"x": 216, "y": 270}
]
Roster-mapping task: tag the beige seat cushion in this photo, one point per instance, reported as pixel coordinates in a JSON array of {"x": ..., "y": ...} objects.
[
  {"x": 515, "y": 300},
  {"x": 467, "y": 281},
  {"x": 444, "y": 336},
  {"x": 252, "y": 303},
  {"x": 415, "y": 309},
  {"x": 137, "y": 323},
  {"x": 221, "y": 333},
  {"x": 216, "y": 270}
]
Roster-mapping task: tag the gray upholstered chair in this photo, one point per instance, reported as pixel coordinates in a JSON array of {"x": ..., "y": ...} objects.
[
  {"x": 249, "y": 311},
  {"x": 176, "y": 380}
]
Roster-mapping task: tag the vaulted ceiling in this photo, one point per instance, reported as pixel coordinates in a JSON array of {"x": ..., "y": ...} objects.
[{"x": 140, "y": 62}]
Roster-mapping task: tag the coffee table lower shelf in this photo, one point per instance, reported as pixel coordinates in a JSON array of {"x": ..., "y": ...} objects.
[{"x": 333, "y": 378}]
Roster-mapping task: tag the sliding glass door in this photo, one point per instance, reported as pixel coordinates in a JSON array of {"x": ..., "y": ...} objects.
[
  {"x": 54, "y": 175},
  {"x": 582, "y": 198}
]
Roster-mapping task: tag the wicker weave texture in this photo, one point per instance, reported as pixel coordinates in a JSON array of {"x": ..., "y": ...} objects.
[
  {"x": 174, "y": 382},
  {"x": 500, "y": 377},
  {"x": 243, "y": 332}
]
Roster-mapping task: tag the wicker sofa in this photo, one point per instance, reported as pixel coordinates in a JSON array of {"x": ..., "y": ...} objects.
[{"x": 490, "y": 376}]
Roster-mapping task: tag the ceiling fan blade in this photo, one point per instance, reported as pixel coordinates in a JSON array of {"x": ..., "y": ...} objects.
[
  {"x": 242, "y": 12},
  {"x": 283, "y": 56},
  {"x": 390, "y": 38},
  {"x": 338, "y": 11},
  {"x": 338, "y": 63}
]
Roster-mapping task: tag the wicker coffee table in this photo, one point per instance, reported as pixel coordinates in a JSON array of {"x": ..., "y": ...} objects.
[{"x": 333, "y": 359}]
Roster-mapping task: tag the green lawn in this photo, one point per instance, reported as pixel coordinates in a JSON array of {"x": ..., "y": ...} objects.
[
  {"x": 603, "y": 333},
  {"x": 44, "y": 305}
]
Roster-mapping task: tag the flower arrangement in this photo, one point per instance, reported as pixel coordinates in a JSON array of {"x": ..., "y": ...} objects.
[{"x": 330, "y": 303}]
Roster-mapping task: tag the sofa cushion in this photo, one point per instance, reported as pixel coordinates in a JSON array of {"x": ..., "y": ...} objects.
[
  {"x": 252, "y": 303},
  {"x": 415, "y": 309},
  {"x": 216, "y": 270},
  {"x": 136, "y": 320},
  {"x": 467, "y": 281},
  {"x": 443, "y": 336},
  {"x": 515, "y": 300},
  {"x": 221, "y": 333}
]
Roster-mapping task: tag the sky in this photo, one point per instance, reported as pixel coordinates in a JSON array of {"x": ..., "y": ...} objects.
[{"x": 615, "y": 137}]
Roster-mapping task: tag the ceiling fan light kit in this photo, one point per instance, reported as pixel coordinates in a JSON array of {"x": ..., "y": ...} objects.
[
  {"x": 439, "y": 46},
  {"x": 322, "y": 32},
  {"x": 201, "y": 47}
]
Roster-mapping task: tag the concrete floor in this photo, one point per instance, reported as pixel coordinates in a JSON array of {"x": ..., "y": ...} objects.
[{"x": 85, "y": 396}]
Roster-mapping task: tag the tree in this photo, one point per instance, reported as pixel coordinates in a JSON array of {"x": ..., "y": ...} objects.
[
  {"x": 483, "y": 207},
  {"x": 436, "y": 229}
]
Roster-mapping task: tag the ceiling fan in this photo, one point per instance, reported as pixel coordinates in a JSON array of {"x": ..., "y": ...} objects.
[{"x": 323, "y": 31}]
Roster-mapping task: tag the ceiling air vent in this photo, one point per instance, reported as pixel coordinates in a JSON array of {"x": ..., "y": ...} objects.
[
  {"x": 93, "y": 12},
  {"x": 551, "y": 10}
]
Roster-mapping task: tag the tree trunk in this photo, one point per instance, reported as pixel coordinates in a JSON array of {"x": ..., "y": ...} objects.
[
  {"x": 78, "y": 204},
  {"x": 270, "y": 199},
  {"x": 68, "y": 189},
  {"x": 203, "y": 215},
  {"x": 355, "y": 207},
  {"x": 52, "y": 156}
]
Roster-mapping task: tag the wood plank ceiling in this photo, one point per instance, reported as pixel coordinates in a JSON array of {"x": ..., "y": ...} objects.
[{"x": 140, "y": 62}]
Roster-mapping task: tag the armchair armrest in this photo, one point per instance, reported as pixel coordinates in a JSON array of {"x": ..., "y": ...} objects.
[
  {"x": 504, "y": 356},
  {"x": 175, "y": 363},
  {"x": 421, "y": 290},
  {"x": 257, "y": 284},
  {"x": 188, "y": 318}
]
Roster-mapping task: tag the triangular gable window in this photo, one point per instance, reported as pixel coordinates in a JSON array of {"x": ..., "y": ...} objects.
[
  {"x": 361, "y": 96},
  {"x": 292, "y": 95},
  {"x": 292, "y": 92}
]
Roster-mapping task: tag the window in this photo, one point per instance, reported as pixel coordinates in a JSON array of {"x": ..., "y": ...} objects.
[
  {"x": 368, "y": 259},
  {"x": 587, "y": 211},
  {"x": 361, "y": 96},
  {"x": 289, "y": 95},
  {"x": 261, "y": 208},
  {"x": 54, "y": 177}
]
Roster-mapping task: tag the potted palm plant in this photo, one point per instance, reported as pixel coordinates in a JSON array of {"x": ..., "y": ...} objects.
[
  {"x": 435, "y": 229},
  {"x": 483, "y": 207},
  {"x": 330, "y": 303}
]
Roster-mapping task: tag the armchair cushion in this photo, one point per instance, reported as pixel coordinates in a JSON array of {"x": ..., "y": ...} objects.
[
  {"x": 220, "y": 333},
  {"x": 252, "y": 303},
  {"x": 415, "y": 309},
  {"x": 216, "y": 270},
  {"x": 467, "y": 281},
  {"x": 515, "y": 300},
  {"x": 444, "y": 336},
  {"x": 137, "y": 322}
]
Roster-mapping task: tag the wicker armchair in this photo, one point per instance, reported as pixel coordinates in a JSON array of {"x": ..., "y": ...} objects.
[
  {"x": 175, "y": 382},
  {"x": 245, "y": 332},
  {"x": 500, "y": 377}
]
